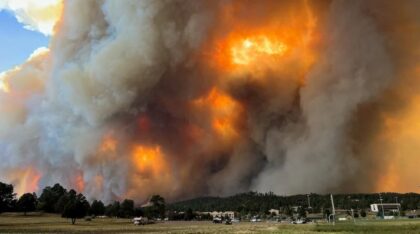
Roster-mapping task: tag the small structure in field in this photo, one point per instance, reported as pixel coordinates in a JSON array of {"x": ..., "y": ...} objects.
[
  {"x": 274, "y": 212},
  {"x": 142, "y": 221}
]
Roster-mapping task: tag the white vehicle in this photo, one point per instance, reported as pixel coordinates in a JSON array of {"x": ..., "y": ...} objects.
[
  {"x": 217, "y": 220},
  {"x": 255, "y": 220},
  {"x": 142, "y": 221},
  {"x": 299, "y": 221}
]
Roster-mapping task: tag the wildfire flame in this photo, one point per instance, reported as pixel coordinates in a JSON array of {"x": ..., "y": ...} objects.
[
  {"x": 403, "y": 149},
  {"x": 148, "y": 159},
  {"x": 251, "y": 49},
  {"x": 79, "y": 183},
  {"x": 219, "y": 93},
  {"x": 24, "y": 179},
  {"x": 224, "y": 110}
]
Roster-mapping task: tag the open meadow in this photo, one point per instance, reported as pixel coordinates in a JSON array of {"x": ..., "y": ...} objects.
[{"x": 11, "y": 223}]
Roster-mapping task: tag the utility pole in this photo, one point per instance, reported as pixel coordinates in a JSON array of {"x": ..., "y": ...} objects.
[
  {"x": 333, "y": 208},
  {"x": 382, "y": 205},
  {"x": 398, "y": 207}
]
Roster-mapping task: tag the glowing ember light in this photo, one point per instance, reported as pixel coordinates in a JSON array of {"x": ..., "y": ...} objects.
[
  {"x": 148, "y": 159},
  {"x": 224, "y": 109},
  {"x": 224, "y": 127},
  {"x": 250, "y": 49}
]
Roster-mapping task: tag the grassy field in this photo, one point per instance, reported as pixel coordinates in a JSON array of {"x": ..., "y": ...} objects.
[{"x": 11, "y": 223}]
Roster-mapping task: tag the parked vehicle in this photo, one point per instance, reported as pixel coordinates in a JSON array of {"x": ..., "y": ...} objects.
[
  {"x": 217, "y": 220},
  {"x": 142, "y": 221},
  {"x": 299, "y": 221}
]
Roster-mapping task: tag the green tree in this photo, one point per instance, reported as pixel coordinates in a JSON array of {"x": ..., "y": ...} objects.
[
  {"x": 61, "y": 203},
  {"x": 27, "y": 202},
  {"x": 138, "y": 212},
  {"x": 97, "y": 208},
  {"x": 158, "y": 206},
  {"x": 189, "y": 215},
  {"x": 76, "y": 207},
  {"x": 112, "y": 210},
  {"x": 49, "y": 198},
  {"x": 7, "y": 197},
  {"x": 127, "y": 208}
]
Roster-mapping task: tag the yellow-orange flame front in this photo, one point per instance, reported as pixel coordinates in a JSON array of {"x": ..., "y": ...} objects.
[
  {"x": 251, "y": 49},
  {"x": 24, "y": 179},
  {"x": 224, "y": 111},
  {"x": 149, "y": 169},
  {"x": 148, "y": 160}
]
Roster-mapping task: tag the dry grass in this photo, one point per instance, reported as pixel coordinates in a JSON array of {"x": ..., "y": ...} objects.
[{"x": 43, "y": 223}]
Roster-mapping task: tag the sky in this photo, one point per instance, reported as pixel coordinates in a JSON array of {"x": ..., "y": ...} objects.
[{"x": 16, "y": 42}]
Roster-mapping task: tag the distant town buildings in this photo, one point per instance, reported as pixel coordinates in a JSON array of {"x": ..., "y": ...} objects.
[
  {"x": 214, "y": 214},
  {"x": 387, "y": 207}
]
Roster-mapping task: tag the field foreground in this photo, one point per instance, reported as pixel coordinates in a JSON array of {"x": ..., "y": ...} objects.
[{"x": 56, "y": 224}]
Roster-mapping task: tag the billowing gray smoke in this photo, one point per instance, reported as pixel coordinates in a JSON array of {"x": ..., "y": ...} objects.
[{"x": 186, "y": 98}]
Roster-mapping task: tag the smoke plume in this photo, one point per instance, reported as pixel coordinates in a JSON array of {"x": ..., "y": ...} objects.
[{"x": 187, "y": 98}]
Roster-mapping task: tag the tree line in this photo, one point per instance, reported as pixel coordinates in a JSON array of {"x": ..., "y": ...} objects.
[
  {"x": 73, "y": 205},
  {"x": 257, "y": 203}
]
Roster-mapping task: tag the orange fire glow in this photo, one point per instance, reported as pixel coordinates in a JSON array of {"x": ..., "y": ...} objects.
[
  {"x": 224, "y": 110},
  {"x": 150, "y": 168},
  {"x": 251, "y": 49},
  {"x": 278, "y": 41},
  {"x": 401, "y": 173},
  {"x": 25, "y": 180},
  {"x": 149, "y": 160},
  {"x": 79, "y": 183}
]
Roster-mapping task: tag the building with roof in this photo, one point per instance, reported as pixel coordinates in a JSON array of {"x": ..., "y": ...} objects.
[{"x": 387, "y": 207}]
